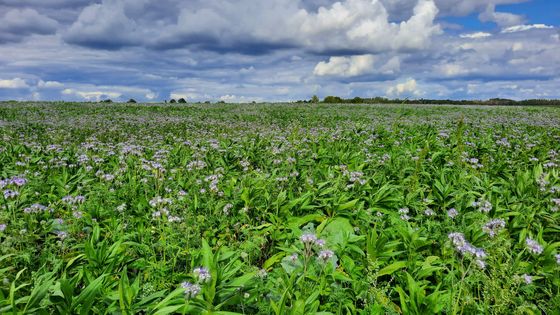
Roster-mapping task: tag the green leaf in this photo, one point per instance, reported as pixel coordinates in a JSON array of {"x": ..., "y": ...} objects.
[{"x": 390, "y": 269}]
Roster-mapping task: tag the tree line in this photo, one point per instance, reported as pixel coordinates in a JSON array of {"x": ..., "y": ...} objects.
[{"x": 384, "y": 100}]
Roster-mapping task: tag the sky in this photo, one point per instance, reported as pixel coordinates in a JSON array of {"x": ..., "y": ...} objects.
[{"x": 278, "y": 50}]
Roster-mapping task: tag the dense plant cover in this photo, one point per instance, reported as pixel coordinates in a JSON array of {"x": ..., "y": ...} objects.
[{"x": 278, "y": 209}]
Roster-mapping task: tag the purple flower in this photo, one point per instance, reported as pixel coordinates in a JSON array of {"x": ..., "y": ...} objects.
[
  {"x": 8, "y": 193},
  {"x": 483, "y": 206},
  {"x": 452, "y": 213},
  {"x": 480, "y": 263},
  {"x": 320, "y": 243},
  {"x": 308, "y": 238},
  {"x": 294, "y": 258},
  {"x": 325, "y": 255},
  {"x": 493, "y": 226},
  {"x": 528, "y": 279},
  {"x": 191, "y": 290},
  {"x": 3, "y": 227},
  {"x": 61, "y": 235},
  {"x": 202, "y": 274},
  {"x": 533, "y": 246},
  {"x": 18, "y": 181},
  {"x": 457, "y": 239}
]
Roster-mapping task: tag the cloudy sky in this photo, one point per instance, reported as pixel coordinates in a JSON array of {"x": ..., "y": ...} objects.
[{"x": 278, "y": 50}]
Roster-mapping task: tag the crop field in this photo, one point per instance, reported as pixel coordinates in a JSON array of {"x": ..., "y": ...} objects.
[{"x": 279, "y": 209}]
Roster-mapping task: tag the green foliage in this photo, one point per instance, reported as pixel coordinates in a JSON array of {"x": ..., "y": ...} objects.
[{"x": 278, "y": 209}]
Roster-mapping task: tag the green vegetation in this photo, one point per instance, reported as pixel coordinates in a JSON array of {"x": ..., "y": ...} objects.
[
  {"x": 383, "y": 100},
  {"x": 278, "y": 209}
]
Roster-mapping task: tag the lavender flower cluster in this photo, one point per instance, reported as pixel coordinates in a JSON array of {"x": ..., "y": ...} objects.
[{"x": 465, "y": 248}]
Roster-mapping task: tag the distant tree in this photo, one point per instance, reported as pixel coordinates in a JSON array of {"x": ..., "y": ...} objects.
[
  {"x": 332, "y": 99},
  {"x": 315, "y": 99},
  {"x": 107, "y": 101},
  {"x": 131, "y": 101},
  {"x": 182, "y": 100},
  {"x": 357, "y": 100},
  {"x": 207, "y": 102},
  {"x": 172, "y": 101},
  {"x": 221, "y": 102}
]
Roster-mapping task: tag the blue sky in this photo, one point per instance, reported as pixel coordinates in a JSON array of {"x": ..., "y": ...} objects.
[{"x": 278, "y": 50}]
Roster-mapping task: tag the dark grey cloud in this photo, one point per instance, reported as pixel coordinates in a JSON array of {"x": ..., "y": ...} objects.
[{"x": 16, "y": 24}]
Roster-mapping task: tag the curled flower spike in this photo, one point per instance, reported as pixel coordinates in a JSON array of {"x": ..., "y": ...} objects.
[
  {"x": 202, "y": 274},
  {"x": 452, "y": 213},
  {"x": 308, "y": 238},
  {"x": 528, "y": 279},
  {"x": 493, "y": 226},
  {"x": 533, "y": 246},
  {"x": 191, "y": 290},
  {"x": 325, "y": 255}
]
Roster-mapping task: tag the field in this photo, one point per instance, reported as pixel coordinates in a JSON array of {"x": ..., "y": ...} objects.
[{"x": 279, "y": 209}]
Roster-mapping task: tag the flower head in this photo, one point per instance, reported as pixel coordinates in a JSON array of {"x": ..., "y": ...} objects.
[
  {"x": 493, "y": 226},
  {"x": 452, "y": 213},
  {"x": 191, "y": 290},
  {"x": 325, "y": 255},
  {"x": 533, "y": 246},
  {"x": 308, "y": 238},
  {"x": 528, "y": 279},
  {"x": 202, "y": 274},
  {"x": 320, "y": 243}
]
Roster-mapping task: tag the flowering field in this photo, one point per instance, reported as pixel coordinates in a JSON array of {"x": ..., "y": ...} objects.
[{"x": 279, "y": 209}]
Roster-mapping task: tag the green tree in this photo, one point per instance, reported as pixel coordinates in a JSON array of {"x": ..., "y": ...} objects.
[
  {"x": 315, "y": 99},
  {"x": 333, "y": 100}
]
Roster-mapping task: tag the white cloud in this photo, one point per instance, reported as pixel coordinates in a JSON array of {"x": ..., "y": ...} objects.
[
  {"x": 348, "y": 25},
  {"x": 16, "y": 83},
  {"x": 451, "y": 70},
  {"x": 345, "y": 66},
  {"x": 409, "y": 87},
  {"x": 364, "y": 24},
  {"x": 49, "y": 84},
  {"x": 231, "y": 98},
  {"x": 503, "y": 19},
  {"x": 96, "y": 93},
  {"x": 476, "y": 35},
  {"x": 525, "y": 27},
  {"x": 92, "y": 95}
]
